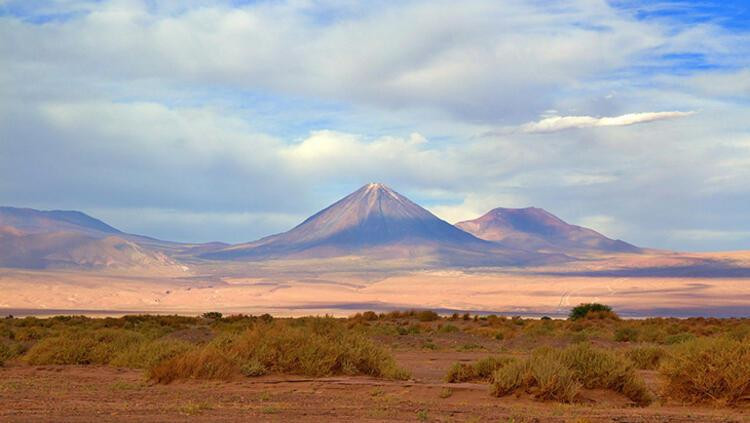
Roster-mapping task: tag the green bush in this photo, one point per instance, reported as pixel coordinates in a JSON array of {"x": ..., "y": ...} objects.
[
  {"x": 591, "y": 310},
  {"x": 715, "y": 370}
]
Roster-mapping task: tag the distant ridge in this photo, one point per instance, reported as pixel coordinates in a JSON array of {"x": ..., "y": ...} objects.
[
  {"x": 38, "y": 221},
  {"x": 39, "y": 239},
  {"x": 537, "y": 229}
]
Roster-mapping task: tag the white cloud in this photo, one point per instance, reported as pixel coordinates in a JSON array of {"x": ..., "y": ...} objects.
[
  {"x": 561, "y": 123},
  {"x": 231, "y": 114},
  {"x": 480, "y": 61}
]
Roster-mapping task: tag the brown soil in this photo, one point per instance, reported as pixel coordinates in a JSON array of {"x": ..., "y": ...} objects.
[{"x": 98, "y": 393}]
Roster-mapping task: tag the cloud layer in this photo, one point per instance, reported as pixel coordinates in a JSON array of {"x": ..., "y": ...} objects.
[{"x": 237, "y": 120}]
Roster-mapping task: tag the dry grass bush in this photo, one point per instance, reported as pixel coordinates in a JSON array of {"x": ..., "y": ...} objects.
[
  {"x": 144, "y": 355},
  {"x": 10, "y": 350},
  {"x": 626, "y": 334},
  {"x": 448, "y": 328},
  {"x": 82, "y": 347},
  {"x": 509, "y": 379},
  {"x": 551, "y": 379},
  {"x": 539, "y": 328},
  {"x": 558, "y": 375},
  {"x": 646, "y": 357},
  {"x": 481, "y": 370},
  {"x": 308, "y": 346},
  {"x": 709, "y": 370},
  {"x": 427, "y": 316},
  {"x": 199, "y": 363}
]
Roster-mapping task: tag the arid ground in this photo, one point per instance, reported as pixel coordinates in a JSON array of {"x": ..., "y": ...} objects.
[
  {"x": 427, "y": 348},
  {"x": 88, "y": 393}
]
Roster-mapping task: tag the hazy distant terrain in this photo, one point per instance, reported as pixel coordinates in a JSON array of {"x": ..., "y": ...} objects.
[{"x": 374, "y": 249}]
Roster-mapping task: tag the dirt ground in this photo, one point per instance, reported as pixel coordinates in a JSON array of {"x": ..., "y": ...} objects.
[{"x": 100, "y": 393}]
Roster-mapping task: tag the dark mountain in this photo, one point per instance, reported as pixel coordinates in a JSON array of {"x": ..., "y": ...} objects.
[
  {"x": 378, "y": 222},
  {"x": 536, "y": 229}
]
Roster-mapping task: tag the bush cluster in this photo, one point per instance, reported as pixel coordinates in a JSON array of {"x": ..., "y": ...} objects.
[
  {"x": 553, "y": 374},
  {"x": 309, "y": 346},
  {"x": 480, "y": 370},
  {"x": 715, "y": 370},
  {"x": 592, "y": 311}
]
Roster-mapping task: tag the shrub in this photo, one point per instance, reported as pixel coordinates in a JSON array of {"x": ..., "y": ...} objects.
[
  {"x": 679, "y": 338},
  {"x": 9, "y": 350},
  {"x": 592, "y": 310},
  {"x": 460, "y": 372},
  {"x": 646, "y": 358},
  {"x": 312, "y": 347},
  {"x": 480, "y": 370},
  {"x": 200, "y": 363},
  {"x": 510, "y": 378},
  {"x": 427, "y": 316},
  {"x": 447, "y": 328},
  {"x": 213, "y": 315},
  {"x": 626, "y": 335},
  {"x": 83, "y": 347},
  {"x": 409, "y": 330},
  {"x": 369, "y": 316},
  {"x": 148, "y": 354},
  {"x": 253, "y": 368},
  {"x": 713, "y": 370},
  {"x": 559, "y": 374},
  {"x": 29, "y": 334},
  {"x": 485, "y": 367},
  {"x": 553, "y": 380}
]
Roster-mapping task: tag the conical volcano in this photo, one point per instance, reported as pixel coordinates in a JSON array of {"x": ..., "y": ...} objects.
[
  {"x": 373, "y": 215},
  {"x": 374, "y": 221}
]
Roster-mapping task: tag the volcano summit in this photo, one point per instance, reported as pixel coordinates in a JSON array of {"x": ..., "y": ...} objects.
[{"x": 378, "y": 222}]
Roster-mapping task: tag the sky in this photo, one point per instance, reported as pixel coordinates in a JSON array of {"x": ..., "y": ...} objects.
[{"x": 231, "y": 120}]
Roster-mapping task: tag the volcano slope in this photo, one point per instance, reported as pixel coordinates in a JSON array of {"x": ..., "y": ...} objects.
[{"x": 379, "y": 223}]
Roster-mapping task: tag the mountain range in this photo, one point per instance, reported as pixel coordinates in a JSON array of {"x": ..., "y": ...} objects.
[
  {"x": 374, "y": 222},
  {"x": 70, "y": 239}
]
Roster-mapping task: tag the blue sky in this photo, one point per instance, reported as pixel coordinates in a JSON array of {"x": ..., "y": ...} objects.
[{"x": 232, "y": 120}]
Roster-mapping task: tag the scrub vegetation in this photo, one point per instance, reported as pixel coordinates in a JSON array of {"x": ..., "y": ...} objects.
[{"x": 695, "y": 361}]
